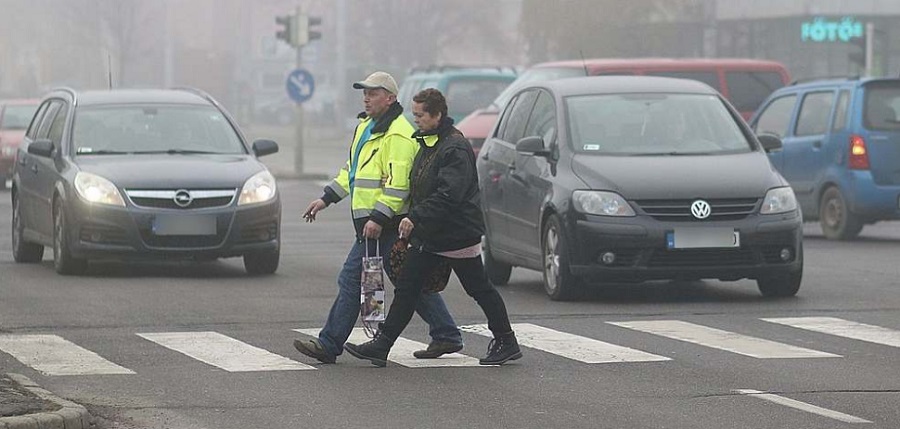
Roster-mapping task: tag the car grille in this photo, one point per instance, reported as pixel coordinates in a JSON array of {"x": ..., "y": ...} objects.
[
  {"x": 165, "y": 199},
  {"x": 181, "y": 241},
  {"x": 680, "y": 210}
]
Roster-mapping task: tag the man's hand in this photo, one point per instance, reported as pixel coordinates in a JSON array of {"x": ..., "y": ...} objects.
[
  {"x": 406, "y": 227},
  {"x": 314, "y": 208},
  {"x": 372, "y": 230}
]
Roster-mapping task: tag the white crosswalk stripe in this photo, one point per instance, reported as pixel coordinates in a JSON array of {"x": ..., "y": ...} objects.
[
  {"x": 722, "y": 340},
  {"x": 224, "y": 352},
  {"x": 571, "y": 346},
  {"x": 402, "y": 352},
  {"x": 54, "y": 355},
  {"x": 843, "y": 328}
]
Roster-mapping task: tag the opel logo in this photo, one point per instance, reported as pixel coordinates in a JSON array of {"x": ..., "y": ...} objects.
[
  {"x": 183, "y": 198},
  {"x": 700, "y": 209}
]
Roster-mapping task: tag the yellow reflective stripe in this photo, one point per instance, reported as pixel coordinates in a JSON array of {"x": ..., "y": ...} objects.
[
  {"x": 384, "y": 209},
  {"x": 367, "y": 183},
  {"x": 396, "y": 193},
  {"x": 337, "y": 189}
]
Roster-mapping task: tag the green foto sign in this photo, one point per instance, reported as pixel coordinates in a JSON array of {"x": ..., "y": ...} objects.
[{"x": 822, "y": 30}]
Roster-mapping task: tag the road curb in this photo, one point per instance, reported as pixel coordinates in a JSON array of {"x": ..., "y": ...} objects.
[{"x": 69, "y": 416}]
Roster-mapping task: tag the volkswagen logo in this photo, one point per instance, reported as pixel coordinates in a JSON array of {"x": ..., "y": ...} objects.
[
  {"x": 700, "y": 209},
  {"x": 183, "y": 198}
]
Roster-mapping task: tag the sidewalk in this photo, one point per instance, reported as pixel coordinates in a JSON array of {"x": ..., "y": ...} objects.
[
  {"x": 24, "y": 405},
  {"x": 324, "y": 150}
]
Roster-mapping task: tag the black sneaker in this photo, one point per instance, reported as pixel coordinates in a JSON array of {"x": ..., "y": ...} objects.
[
  {"x": 375, "y": 351},
  {"x": 314, "y": 349},
  {"x": 437, "y": 349},
  {"x": 502, "y": 349}
]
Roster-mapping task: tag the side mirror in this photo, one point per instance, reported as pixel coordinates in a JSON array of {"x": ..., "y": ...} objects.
[
  {"x": 770, "y": 142},
  {"x": 41, "y": 147},
  {"x": 264, "y": 147},
  {"x": 533, "y": 145}
]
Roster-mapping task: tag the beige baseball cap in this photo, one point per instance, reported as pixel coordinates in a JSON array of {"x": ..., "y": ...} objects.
[{"x": 378, "y": 79}]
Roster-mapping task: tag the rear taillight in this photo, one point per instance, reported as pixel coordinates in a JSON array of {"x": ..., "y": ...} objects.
[{"x": 859, "y": 155}]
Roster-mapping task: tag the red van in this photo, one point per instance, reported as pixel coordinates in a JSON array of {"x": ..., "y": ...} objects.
[
  {"x": 15, "y": 115},
  {"x": 744, "y": 82}
]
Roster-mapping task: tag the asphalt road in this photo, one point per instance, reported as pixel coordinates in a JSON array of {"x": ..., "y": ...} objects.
[{"x": 145, "y": 342}]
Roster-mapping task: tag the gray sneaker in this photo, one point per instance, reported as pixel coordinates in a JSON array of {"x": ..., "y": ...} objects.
[
  {"x": 313, "y": 348},
  {"x": 437, "y": 349}
]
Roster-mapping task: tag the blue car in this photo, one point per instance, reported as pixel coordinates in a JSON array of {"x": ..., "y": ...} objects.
[{"x": 841, "y": 150}]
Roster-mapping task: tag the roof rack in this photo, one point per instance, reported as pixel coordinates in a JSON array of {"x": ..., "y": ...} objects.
[
  {"x": 817, "y": 78},
  {"x": 443, "y": 68}
]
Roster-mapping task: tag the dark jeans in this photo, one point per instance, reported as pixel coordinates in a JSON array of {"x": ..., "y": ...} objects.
[{"x": 470, "y": 273}]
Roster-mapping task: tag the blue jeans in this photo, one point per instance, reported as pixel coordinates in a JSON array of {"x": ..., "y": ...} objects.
[{"x": 345, "y": 310}]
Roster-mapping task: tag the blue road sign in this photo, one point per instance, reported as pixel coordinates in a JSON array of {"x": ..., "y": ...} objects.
[{"x": 300, "y": 85}]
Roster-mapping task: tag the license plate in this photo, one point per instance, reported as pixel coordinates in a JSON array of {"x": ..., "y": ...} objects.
[
  {"x": 703, "y": 238},
  {"x": 184, "y": 225}
]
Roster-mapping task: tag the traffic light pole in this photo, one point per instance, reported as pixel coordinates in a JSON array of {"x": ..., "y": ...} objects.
[
  {"x": 870, "y": 48},
  {"x": 300, "y": 126}
]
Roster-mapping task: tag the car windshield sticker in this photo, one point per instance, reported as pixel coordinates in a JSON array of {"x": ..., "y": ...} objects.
[
  {"x": 84, "y": 150},
  {"x": 591, "y": 147},
  {"x": 215, "y": 118}
]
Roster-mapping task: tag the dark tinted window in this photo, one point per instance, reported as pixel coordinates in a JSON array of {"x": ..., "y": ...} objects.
[
  {"x": 776, "y": 118},
  {"x": 44, "y": 129},
  {"x": 518, "y": 117},
  {"x": 840, "y": 113},
  {"x": 58, "y": 125},
  {"x": 882, "y": 105},
  {"x": 747, "y": 90},
  {"x": 36, "y": 121},
  {"x": 504, "y": 118},
  {"x": 543, "y": 119},
  {"x": 814, "y": 114},
  {"x": 466, "y": 95},
  {"x": 708, "y": 77},
  {"x": 17, "y": 116}
]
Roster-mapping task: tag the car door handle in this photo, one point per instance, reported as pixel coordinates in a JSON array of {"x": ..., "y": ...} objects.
[
  {"x": 817, "y": 144},
  {"x": 485, "y": 156}
]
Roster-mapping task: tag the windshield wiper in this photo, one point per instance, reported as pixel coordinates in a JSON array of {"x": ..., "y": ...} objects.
[
  {"x": 178, "y": 152},
  {"x": 673, "y": 153},
  {"x": 102, "y": 152}
]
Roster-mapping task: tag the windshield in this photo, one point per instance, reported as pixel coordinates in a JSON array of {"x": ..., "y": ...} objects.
[
  {"x": 17, "y": 117},
  {"x": 535, "y": 75},
  {"x": 882, "y": 105},
  {"x": 653, "y": 124},
  {"x": 154, "y": 129}
]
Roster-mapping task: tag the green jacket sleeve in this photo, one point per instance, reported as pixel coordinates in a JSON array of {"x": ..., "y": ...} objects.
[{"x": 397, "y": 161}]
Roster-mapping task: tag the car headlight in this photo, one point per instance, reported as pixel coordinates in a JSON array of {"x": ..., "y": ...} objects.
[
  {"x": 601, "y": 203},
  {"x": 779, "y": 200},
  {"x": 258, "y": 189},
  {"x": 97, "y": 190}
]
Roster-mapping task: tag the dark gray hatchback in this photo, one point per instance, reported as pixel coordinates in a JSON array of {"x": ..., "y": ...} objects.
[
  {"x": 134, "y": 174},
  {"x": 606, "y": 179}
]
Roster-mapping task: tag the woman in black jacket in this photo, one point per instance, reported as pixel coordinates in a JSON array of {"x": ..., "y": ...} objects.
[{"x": 445, "y": 223}]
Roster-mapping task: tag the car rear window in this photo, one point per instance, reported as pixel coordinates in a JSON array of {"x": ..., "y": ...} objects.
[
  {"x": 17, "y": 117},
  {"x": 154, "y": 128},
  {"x": 466, "y": 95},
  {"x": 653, "y": 124},
  {"x": 748, "y": 89},
  {"x": 708, "y": 77},
  {"x": 882, "y": 102}
]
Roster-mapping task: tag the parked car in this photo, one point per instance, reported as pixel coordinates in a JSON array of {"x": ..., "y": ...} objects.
[
  {"x": 606, "y": 179},
  {"x": 841, "y": 150},
  {"x": 137, "y": 174},
  {"x": 466, "y": 88},
  {"x": 14, "y": 118},
  {"x": 745, "y": 83}
]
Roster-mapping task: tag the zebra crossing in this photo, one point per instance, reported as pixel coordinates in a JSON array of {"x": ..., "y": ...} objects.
[{"x": 54, "y": 355}]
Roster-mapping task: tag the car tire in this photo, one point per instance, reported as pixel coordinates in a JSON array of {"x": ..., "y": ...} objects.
[
  {"x": 262, "y": 263},
  {"x": 63, "y": 261},
  {"x": 497, "y": 272},
  {"x": 23, "y": 251},
  {"x": 559, "y": 283},
  {"x": 782, "y": 285},
  {"x": 836, "y": 219}
]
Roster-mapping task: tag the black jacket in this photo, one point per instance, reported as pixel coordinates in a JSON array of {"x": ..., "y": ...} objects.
[{"x": 445, "y": 203}]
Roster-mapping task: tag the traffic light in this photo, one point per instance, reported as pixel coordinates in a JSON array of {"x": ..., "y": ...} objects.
[
  {"x": 858, "y": 50},
  {"x": 307, "y": 29},
  {"x": 287, "y": 31}
]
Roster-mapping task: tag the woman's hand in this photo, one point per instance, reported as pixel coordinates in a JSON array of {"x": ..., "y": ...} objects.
[{"x": 406, "y": 227}]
